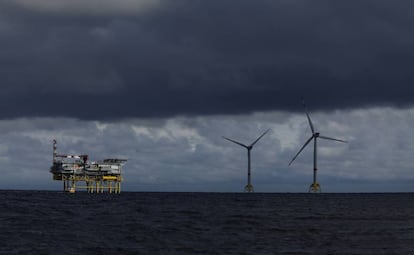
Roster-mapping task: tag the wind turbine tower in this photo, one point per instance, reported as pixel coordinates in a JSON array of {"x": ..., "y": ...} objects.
[
  {"x": 314, "y": 187},
  {"x": 249, "y": 186}
]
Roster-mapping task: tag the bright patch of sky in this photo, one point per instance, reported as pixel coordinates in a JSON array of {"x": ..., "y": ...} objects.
[{"x": 189, "y": 153}]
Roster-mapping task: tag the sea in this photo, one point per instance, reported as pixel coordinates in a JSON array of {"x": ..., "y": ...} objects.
[{"x": 51, "y": 222}]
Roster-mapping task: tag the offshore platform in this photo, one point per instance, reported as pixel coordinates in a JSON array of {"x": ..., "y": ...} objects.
[{"x": 98, "y": 177}]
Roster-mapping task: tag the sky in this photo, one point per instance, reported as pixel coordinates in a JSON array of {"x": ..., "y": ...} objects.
[{"x": 160, "y": 82}]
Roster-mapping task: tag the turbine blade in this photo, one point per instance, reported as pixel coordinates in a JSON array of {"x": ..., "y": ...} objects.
[
  {"x": 307, "y": 115},
  {"x": 333, "y": 139},
  {"x": 236, "y": 142},
  {"x": 260, "y": 137},
  {"x": 301, "y": 149}
]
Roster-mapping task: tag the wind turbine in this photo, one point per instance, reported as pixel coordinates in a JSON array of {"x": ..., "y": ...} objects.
[
  {"x": 314, "y": 187},
  {"x": 249, "y": 186}
]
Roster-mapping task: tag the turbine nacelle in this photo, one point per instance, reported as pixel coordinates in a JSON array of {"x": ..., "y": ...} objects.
[
  {"x": 316, "y": 134},
  {"x": 248, "y": 147}
]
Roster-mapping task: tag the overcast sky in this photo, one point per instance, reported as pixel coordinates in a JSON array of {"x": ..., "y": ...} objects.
[{"x": 159, "y": 82}]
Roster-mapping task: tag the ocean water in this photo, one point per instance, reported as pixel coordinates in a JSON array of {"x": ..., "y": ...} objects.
[{"x": 44, "y": 222}]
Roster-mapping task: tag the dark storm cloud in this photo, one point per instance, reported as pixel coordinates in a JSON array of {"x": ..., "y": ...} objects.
[{"x": 202, "y": 57}]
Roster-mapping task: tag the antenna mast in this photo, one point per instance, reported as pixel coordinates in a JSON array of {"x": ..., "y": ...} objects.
[{"x": 54, "y": 150}]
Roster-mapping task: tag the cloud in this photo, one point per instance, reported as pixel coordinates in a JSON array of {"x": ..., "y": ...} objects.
[
  {"x": 155, "y": 59},
  {"x": 89, "y": 7},
  {"x": 159, "y": 82}
]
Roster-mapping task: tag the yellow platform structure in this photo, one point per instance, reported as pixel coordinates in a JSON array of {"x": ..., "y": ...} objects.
[
  {"x": 77, "y": 172},
  {"x": 91, "y": 184}
]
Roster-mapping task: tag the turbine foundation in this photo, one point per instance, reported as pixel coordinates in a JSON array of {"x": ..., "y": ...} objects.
[
  {"x": 248, "y": 188},
  {"x": 315, "y": 188}
]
